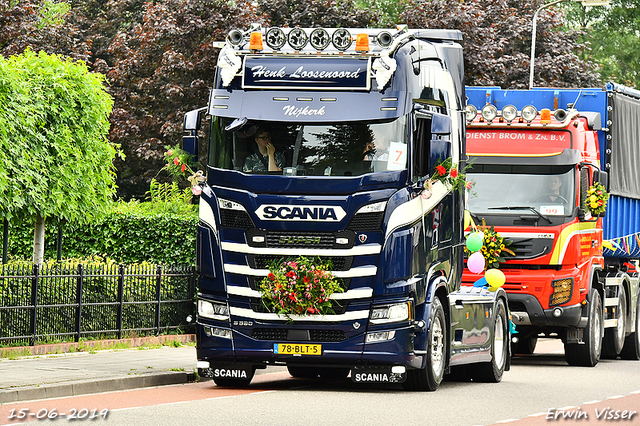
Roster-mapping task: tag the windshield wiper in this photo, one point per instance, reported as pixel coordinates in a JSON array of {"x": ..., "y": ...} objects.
[{"x": 522, "y": 208}]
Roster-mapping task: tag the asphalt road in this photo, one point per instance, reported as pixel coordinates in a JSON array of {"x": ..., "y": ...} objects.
[{"x": 540, "y": 389}]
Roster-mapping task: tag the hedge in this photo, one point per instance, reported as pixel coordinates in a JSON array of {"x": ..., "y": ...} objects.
[{"x": 129, "y": 233}]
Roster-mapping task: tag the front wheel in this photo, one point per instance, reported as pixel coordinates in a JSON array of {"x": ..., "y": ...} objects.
[
  {"x": 588, "y": 353},
  {"x": 430, "y": 377},
  {"x": 491, "y": 372},
  {"x": 614, "y": 337}
]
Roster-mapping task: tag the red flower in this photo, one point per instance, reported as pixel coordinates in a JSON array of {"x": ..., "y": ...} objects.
[
  {"x": 271, "y": 276},
  {"x": 311, "y": 310},
  {"x": 176, "y": 161},
  {"x": 441, "y": 170},
  {"x": 183, "y": 168},
  {"x": 454, "y": 173},
  {"x": 469, "y": 185},
  {"x": 305, "y": 280}
]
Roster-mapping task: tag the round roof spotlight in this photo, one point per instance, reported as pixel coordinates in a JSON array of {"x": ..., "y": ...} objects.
[
  {"x": 319, "y": 39},
  {"x": 235, "y": 38},
  {"x": 470, "y": 112},
  {"x": 529, "y": 113},
  {"x": 275, "y": 38},
  {"x": 341, "y": 39},
  {"x": 509, "y": 113},
  {"x": 297, "y": 38},
  {"x": 489, "y": 112},
  {"x": 384, "y": 39}
]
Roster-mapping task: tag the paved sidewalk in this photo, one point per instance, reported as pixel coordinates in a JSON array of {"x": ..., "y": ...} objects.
[{"x": 52, "y": 376}]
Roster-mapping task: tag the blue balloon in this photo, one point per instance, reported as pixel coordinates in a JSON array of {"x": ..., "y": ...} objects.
[{"x": 481, "y": 282}]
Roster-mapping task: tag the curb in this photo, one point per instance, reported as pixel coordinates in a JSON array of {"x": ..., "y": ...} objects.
[
  {"x": 89, "y": 345},
  {"x": 86, "y": 387}
]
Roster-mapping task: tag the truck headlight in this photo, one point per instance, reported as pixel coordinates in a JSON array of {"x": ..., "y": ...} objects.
[
  {"x": 391, "y": 313},
  {"x": 213, "y": 310},
  {"x": 562, "y": 290}
]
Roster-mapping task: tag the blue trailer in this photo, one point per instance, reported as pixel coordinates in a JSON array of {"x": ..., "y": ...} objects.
[{"x": 319, "y": 149}]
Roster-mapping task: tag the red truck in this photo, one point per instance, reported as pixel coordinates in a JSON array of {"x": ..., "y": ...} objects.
[{"x": 537, "y": 157}]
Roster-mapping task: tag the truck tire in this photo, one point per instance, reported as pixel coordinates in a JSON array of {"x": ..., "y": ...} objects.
[
  {"x": 525, "y": 346},
  {"x": 234, "y": 383},
  {"x": 631, "y": 349},
  {"x": 588, "y": 353},
  {"x": 430, "y": 377},
  {"x": 491, "y": 372},
  {"x": 614, "y": 337}
]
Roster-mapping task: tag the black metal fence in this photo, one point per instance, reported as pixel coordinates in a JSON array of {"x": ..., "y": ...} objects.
[{"x": 41, "y": 304}]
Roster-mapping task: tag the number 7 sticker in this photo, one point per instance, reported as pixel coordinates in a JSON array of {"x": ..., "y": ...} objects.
[{"x": 397, "y": 156}]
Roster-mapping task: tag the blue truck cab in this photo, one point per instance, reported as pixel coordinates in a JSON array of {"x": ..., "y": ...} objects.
[{"x": 319, "y": 145}]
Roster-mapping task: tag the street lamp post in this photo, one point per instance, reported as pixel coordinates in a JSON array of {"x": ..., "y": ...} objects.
[{"x": 535, "y": 19}]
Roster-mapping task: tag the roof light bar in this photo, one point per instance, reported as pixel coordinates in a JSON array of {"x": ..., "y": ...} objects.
[
  {"x": 297, "y": 38},
  {"x": 529, "y": 113},
  {"x": 275, "y": 38},
  {"x": 489, "y": 112},
  {"x": 341, "y": 39},
  {"x": 362, "y": 43},
  {"x": 471, "y": 113},
  {"x": 319, "y": 39},
  {"x": 509, "y": 113}
]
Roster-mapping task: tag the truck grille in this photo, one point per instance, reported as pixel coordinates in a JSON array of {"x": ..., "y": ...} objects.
[
  {"x": 254, "y": 283},
  {"x": 339, "y": 307},
  {"x": 277, "y": 334},
  {"x": 262, "y": 261},
  {"x": 366, "y": 222},
  {"x": 529, "y": 248},
  {"x": 315, "y": 240},
  {"x": 235, "y": 219}
]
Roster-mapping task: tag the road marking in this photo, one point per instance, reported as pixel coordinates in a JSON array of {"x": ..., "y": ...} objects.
[{"x": 615, "y": 397}]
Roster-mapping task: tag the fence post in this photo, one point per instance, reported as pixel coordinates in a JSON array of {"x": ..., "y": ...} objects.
[
  {"x": 5, "y": 240},
  {"x": 158, "y": 293},
  {"x": 79, "y": 286},
  {"x": 34, "y": 302},
  {"x": 120, "y": 299}
]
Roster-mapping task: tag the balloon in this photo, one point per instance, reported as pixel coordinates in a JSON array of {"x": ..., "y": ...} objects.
[
  {"x": 475, "y": 263},
  {"x": 495, "y": 278},
  {"x": 481, "y": 282},
  {"x": 467, "y": 219},
  {"x": 474, "y": 241}
]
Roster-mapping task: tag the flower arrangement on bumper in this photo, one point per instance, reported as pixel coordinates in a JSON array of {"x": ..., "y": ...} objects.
[
  {"x": 449, "y": 174},
  {"x": 493, "y": 247},
  {"x": 300, "y": 286},
  {"x": 596, "y": 202}
]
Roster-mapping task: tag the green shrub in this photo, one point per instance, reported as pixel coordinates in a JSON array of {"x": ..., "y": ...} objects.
[{"x": 162, "y": 232}]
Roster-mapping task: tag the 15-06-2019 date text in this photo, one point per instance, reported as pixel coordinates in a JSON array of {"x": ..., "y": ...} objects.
[{"x": 73, "y": 414}]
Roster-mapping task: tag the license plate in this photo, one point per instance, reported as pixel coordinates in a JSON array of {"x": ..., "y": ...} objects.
[{"x": 296, "y": 349}]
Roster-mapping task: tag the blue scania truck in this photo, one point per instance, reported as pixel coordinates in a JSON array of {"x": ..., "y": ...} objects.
[{"x": 319, "y": 145}]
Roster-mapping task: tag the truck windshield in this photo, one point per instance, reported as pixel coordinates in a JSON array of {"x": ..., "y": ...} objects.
[
  {"x": 309, "y": 149},
  {"x": 511, "y": 189}
]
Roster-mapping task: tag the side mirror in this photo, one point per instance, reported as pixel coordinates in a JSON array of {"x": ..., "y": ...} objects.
[
  {"x": 192, "y": 122},
  {"x": 601, "y": 177}
]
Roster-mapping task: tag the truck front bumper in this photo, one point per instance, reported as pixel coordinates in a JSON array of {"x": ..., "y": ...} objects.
[{"x": 533, "y": 313}]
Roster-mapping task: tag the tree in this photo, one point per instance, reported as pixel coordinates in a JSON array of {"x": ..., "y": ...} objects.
[
  {"x": 497, "y": 41},
  {"x": 315, "y": 13},
  {"x": 612, "y": 34},
  {"x": 53, "y": 127},
  {"x": 164, "y": 67}
]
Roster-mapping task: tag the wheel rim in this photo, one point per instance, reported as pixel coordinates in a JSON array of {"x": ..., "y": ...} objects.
[
  {"x": 498, "y": 341},
  {"x": 437, "y": 348}
]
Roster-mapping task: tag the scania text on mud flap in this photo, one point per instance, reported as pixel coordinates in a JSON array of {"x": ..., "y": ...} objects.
[{"x": 318, "y": 153}]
